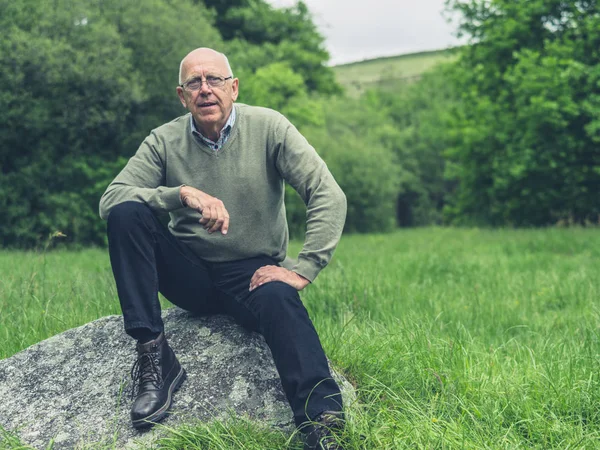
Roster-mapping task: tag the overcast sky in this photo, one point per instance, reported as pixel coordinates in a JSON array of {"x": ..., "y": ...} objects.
[{"x": 364, "y": 29}]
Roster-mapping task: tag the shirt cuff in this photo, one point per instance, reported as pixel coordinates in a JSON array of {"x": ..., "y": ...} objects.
[{"x": 308, "y": 269}]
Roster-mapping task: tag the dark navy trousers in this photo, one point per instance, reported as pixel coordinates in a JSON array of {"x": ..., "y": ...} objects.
[{"x": 147, "y": 259}]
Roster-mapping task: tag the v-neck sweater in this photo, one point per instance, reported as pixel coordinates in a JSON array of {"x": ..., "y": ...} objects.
[{"x": 247, "y": 174}]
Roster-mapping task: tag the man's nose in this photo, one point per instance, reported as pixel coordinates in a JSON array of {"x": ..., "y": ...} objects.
[{"x": 204, "y": 87}]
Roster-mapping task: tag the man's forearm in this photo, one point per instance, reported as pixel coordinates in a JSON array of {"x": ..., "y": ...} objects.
[
  {"x": 142, "y": 180},
  {"x": 308, "y": 174},
  {"x": 326, "y": 215},
  {"x": 160, "y": 199}
]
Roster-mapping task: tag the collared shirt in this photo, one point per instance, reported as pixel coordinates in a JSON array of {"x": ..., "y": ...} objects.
[{"x": 223, "y": 136}]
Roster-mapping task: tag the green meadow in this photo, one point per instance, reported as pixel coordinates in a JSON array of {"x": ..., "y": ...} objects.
[
  {"x": 454, "y": 338},
  {"x": 389, "y": 72}
]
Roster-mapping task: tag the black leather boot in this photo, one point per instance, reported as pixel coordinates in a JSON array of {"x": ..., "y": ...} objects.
[
  {"x": 156, "y": 375},
  {"x": 320, "y": 434}
]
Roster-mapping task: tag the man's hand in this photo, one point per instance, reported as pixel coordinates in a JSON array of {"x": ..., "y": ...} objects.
[
  {"x": 275, "y": 273},
  {"x": 214, "y": 215}
]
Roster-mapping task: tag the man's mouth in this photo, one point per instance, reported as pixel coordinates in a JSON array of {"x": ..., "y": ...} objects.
[{"x": 207, "y": 104}]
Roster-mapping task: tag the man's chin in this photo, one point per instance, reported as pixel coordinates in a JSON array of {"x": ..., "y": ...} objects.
[{"x": 207, "y": 120}]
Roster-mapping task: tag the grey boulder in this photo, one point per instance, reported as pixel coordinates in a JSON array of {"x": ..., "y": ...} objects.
[{"x": 74, "y": 387}]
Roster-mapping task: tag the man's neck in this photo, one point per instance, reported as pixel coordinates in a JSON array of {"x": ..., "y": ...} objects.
[{"x": 214, "y": 132}]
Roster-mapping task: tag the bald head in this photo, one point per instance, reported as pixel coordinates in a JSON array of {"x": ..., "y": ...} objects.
[{"x": 203, "y": 55}]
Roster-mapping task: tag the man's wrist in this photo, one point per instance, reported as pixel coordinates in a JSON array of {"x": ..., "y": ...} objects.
[
  {"x": 303, "y": 280},
  {"x": 183, "y": 192},
  {"x": 302, "y": 277}
]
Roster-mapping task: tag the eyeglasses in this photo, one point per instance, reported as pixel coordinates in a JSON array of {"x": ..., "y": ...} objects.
[{"x": 196, "y": 83}]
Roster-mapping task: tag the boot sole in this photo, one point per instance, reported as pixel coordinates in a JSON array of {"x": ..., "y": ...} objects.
[{"x": 161, "y": 413}]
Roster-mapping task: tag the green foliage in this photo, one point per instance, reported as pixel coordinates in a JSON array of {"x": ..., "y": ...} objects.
[
  {"x": 525, "y": 135},
  {"x": 257, "y": 22},
  {"x": 356, "y": 143},
  {"x": 61, "y": 111},
  {"x": 81, "y": 83},
  {"x": 420, "y": 114},
  {"x": 278, "y": 87},
  {"x": 273, "y": 86},
  {"x": 309, "y": 64},
  {"x": 507, "y": 134},
  {"x": 258, "y": 34}
]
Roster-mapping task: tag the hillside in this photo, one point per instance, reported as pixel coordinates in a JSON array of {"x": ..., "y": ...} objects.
[{"x": 390, "y": 71}]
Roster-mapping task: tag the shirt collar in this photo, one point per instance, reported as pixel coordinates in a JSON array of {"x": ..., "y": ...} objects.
[{"x": 223, "y": 135}]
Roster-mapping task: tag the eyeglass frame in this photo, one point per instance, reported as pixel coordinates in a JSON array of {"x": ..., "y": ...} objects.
[{"x": 204, "y": 80}]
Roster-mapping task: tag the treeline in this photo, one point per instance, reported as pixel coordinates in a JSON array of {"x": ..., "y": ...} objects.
[
  {"x": 82, "y": 82},
  {"x": 507, "y": 135},
  {"x": 523, "y": 137}
]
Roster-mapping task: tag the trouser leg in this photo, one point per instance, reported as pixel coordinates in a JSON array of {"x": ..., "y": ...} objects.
[
  {"x": 146, "y": 258},
  {"x": 276, "y": 311},
  {"x": 296, "y": 349}
]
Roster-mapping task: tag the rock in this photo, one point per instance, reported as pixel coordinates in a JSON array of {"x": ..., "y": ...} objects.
[{"x": 74, "y": 387}]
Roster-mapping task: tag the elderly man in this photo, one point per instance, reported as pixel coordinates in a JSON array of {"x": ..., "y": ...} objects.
[{"x": 219, "y": 172}]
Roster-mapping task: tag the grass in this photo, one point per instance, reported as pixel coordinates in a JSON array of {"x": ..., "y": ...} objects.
[
  {"x": 455, "y": 338},
  {"x": 390, "y": 72}
]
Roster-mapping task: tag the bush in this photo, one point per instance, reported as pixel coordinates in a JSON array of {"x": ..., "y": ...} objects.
[
  {"x": 56, "y": 118},
  {"x": 81, "y": 84},
  {"x": 420, "y": 113},
  {"x": 526, "y": 133},
  {"x": 353, "y": 145}
]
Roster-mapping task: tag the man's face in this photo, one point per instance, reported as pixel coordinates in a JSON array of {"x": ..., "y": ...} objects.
[{"x": 210, "y": 106}]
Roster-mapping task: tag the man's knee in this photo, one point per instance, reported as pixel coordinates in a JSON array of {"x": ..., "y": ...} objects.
[
  {"x": 127, "y": 214},
  {"x": 277, "y": 289},
  {"x": 275, "y": 299}
]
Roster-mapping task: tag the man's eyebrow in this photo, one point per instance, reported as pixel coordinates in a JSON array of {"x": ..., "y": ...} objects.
[{"x": 198, "y": 77}]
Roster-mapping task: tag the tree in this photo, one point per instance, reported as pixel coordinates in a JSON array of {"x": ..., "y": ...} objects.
[
  {"x": 421, "y": 113},
  {"x": 356, "y": 142},
  {"x": 81, "y": 83},
  {"x": 525, "y": 134},
  {"x": 257, "y": 34}
]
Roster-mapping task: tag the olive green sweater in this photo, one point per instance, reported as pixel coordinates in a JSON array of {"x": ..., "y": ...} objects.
[{"x": 263, "y": 150}]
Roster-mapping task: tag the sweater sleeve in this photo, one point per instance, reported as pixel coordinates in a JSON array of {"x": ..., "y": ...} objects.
[
  {"x": 142, "y": 180},
  {"x": 307, "y": 173}
]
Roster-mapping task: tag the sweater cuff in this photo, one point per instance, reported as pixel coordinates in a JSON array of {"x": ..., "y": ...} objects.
[
  {"x": 170, "y": 198},
  {"x": 308, "y": 269}
]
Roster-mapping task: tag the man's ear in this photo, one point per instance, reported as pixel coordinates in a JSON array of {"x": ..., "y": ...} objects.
[
  {"x": 235, "y": 89},
  {"x": 181, "y": 96}
]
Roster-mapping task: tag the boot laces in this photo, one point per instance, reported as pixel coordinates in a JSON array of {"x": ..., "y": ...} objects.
[
  {"x": 325, "y": 439},
  {"x": 146, "y": 371},
  {"x": 323, "y": 433}
]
